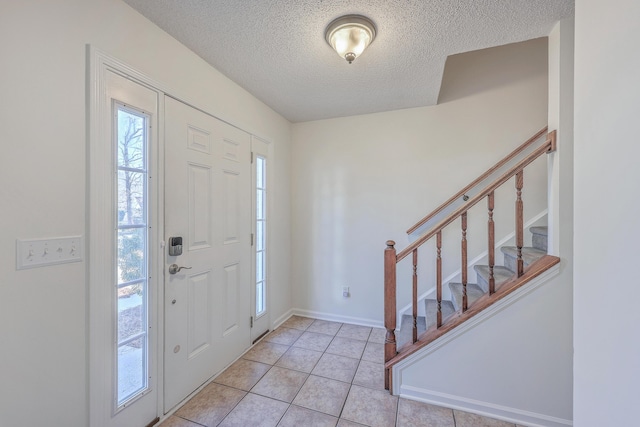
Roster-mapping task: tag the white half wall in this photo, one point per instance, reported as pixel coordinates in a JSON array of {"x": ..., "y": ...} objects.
[
  {"x": 514, "y": 365},
  {"x": 607, "y": 105},
  {"x": 360, "y": 181},
  {"x": 43, "y": 311}
]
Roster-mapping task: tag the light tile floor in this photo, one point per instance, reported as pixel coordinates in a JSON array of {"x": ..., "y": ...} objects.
[{"x": 313, "y": 373}]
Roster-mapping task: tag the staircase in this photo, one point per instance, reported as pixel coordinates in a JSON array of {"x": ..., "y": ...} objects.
[
  {"x": 494, "y": 282},
  {"x": 502, "y": 274}
]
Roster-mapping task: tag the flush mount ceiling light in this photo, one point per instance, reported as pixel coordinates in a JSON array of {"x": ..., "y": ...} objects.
[{"x": 350, "y": 35}]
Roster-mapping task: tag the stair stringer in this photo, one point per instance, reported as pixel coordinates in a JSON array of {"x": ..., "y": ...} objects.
[
  {"x": 445, "y": 399},
  {"x": 481, "y": 258}
]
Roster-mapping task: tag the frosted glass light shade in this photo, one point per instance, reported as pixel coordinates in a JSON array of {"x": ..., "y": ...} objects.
[{"x": 350, "y": 35}]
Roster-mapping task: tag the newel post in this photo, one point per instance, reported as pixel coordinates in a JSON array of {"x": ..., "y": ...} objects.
[{"x": 390, "y": 349}]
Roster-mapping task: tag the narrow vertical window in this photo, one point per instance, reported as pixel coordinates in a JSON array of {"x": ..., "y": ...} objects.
[
  {"x": 261, "y": 230},
  {"x": 131, "y": 130}
]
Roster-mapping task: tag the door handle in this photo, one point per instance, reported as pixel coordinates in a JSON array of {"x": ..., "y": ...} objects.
[{"x": 174, "y": 268}]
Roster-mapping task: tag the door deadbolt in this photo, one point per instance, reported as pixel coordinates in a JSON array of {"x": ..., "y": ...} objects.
[{"x": 175, "y": 246}]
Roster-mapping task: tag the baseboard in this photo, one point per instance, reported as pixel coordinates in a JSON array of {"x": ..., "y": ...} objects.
[
  {"x": 338, "y": 318},
  {"x": 280, "y": 320},
  {"x": 512, "y": 415}
]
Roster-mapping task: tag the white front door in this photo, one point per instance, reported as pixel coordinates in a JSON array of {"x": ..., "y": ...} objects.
[{"x": 207, "y": 213}]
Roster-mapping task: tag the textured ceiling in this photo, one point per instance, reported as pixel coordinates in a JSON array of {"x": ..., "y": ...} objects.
[{"x": 276, "y": 49}]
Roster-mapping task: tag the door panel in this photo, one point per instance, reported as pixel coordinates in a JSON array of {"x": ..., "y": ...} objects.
[
  {"x": 231, "y": 203},
  {"x": 231, "y": 315},
  {"x": 200, "y": 193},
  {"x": 199, "y": 328},
  {"x": 207, "y": 190}
]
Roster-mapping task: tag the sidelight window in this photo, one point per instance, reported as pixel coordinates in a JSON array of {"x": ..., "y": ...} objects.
[
  {"x": 132, "y": 238},
  {"x": 261, "y": 227}
]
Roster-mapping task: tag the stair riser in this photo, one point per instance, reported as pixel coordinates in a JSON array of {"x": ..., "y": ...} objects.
[
  {"x": 511, "y": 262},
  {"x": 405, "y": 334},
  {"x": 501, "y": 275},
  {"x": 484, "y": 284},
  {"x": 529, "y": 256},
  {"x": 431, "y": 307},
  {"x": 539, "y": 241},
  {"x": 473, "y": 293}
]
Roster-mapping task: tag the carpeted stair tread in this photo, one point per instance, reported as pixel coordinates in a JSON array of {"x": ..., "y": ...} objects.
[
  {"x": 473, "y": 293},
  {"x": 500, "y": 274},
  {"x": 432, "y": 311},
  {"x": 540, "y": 229},
  {"x": 529, "y": 256}
]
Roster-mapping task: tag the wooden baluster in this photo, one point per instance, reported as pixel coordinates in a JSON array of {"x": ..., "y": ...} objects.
[
  {"x": 439, "y": 278},
  {"x": 519, "y": 222},
  {"x": 492, "y": 244},
  {"x": 464, "y": 262},
  {"x": 390, "y": 350},
  {"x": 415, "y": 295}
]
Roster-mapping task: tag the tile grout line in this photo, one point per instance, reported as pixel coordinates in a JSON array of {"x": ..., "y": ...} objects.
[
  {"x": 187, "y": 419},
  {"x": 308, "y": 375},
  {"x": 398, "y": 413},
  {"x": 344, "y": 404}
]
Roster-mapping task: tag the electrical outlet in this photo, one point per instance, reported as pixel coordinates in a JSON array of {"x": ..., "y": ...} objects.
[{"x": 345, "y": 292}]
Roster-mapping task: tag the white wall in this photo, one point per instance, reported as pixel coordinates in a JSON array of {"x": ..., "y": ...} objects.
[
  {"x": 43, "y": 312},
  {"x": 606, "y": 319},
  {"x": 359, "y": 181}
]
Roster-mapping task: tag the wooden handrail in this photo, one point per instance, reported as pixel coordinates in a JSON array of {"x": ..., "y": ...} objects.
[
  {"x": 547, "y": 147},
  {"x": 495, "y": 167}
]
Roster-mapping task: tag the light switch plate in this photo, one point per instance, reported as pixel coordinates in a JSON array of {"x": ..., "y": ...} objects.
[{"x": 41, "y": 252}]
